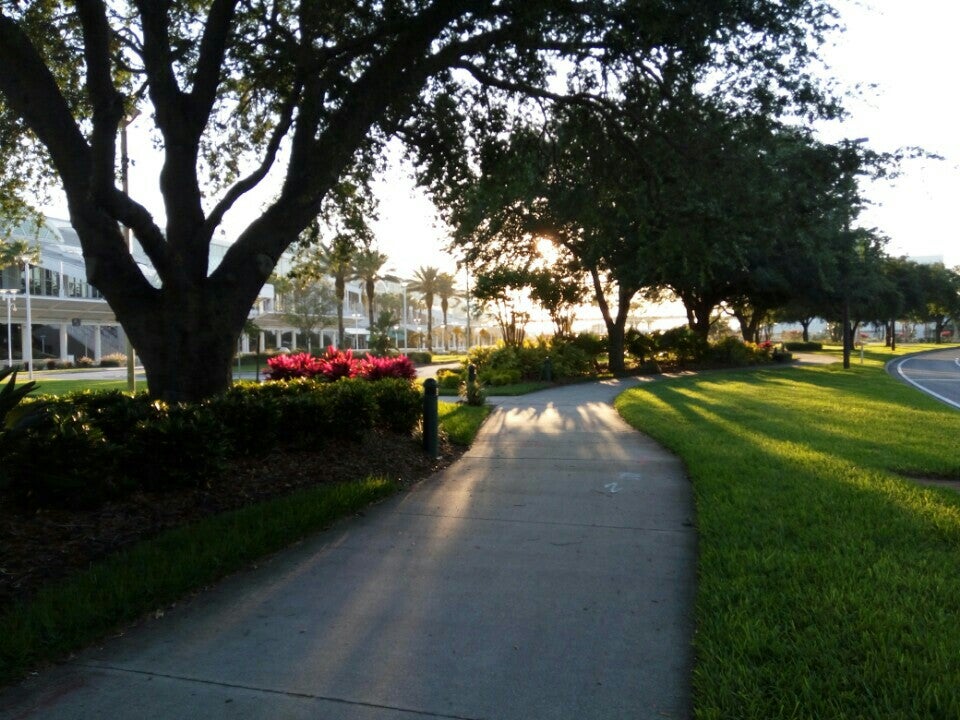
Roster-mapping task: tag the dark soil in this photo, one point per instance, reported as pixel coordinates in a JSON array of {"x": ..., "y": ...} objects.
[{"x": 37, "y": 547}]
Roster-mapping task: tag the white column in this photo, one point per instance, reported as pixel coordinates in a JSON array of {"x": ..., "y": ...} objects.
[
  {"x": 25, "y": 354},
  {"x": 262, "y": 341},
  {"x": 63, "y": 342},
  {"x": 293, "y": 339},
  {"x": 244, "y": 343},
  {"x": 97, "y": 344}
]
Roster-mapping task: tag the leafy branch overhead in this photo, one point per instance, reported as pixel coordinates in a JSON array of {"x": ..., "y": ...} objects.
[{"x": 302, "y": 95}]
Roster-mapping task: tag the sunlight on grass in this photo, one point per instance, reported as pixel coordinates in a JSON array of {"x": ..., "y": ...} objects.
[{"x": 829, "y": 586}]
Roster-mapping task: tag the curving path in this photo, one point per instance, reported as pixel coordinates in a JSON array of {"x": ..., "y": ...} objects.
[
  {"x": 549, "y": 573},
  {"x": 936, "y": 373}
]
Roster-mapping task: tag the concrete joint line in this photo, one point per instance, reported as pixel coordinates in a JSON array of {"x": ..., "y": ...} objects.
[{"x": 270, "y": 691}]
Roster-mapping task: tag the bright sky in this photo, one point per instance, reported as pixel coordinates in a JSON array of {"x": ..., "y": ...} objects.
[{"x": 907, "y": 49}]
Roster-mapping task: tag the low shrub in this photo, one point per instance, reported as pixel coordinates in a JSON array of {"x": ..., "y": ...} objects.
[
  {"x": 250, "y": 417},
  {"x": 399, "y": 404},
  {"x": 349, "y": 407},
  {"x": 84, "y": 362},
  {"x": 640, "y": 346},
  {"x": 472, "y": 393},
  {"x": 337, "y": 364},
  {"x": 420, "y": 357},
  {"x": 63, "y": 460},
  {"x": 490, "y": 376},
  {"x": 803, "y": 346},
  {"x": 113, "y": 360},
  {"x": 681, "y": 345},
  {"x": 379, "y": 368},
  {"x": 449, "y": 379},
  {"x": 733, "y": 352},
  {"x": 178, "y": 446}
]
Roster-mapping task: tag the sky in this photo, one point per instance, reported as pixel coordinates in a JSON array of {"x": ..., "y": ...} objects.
[{"x": 907, "y": 49}]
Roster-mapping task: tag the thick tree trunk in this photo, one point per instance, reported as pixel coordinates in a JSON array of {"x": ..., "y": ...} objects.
[
  {"x": 805, "y": 324},
  {"x": 187, "y": 340}
]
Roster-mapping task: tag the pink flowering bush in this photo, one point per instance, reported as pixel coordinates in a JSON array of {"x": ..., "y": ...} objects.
[
  {"x": 378, "y": 368},
  {"x": 288, "y": 367},
  {"x": 336, "y": 364}
]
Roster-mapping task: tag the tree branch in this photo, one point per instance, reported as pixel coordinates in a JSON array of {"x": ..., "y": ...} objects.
[
  {"x": 107, "y": 102},
  {"x": 213, "y": 47},
  {"x": 32, "y": 92}
]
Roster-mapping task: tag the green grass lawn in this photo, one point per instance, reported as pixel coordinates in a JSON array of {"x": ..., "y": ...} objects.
[
  {"x": 63, "y": 387},
  {"x": 461, "y": 422},
  {"x": 828, "y": 583}
]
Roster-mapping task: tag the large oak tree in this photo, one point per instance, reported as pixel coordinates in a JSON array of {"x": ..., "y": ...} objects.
[{"x": 235, "y": 88}]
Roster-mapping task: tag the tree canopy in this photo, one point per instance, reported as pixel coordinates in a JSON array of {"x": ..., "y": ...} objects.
[{"x": 306, "y": 92}]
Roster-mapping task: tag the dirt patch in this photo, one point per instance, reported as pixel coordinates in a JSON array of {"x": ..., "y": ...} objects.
[{"x": 42, "y": 546}]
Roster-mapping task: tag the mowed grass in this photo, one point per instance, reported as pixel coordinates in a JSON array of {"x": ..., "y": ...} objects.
[
  {"x": 828, "y": 584},
  {"x": 462, "y": 422}
]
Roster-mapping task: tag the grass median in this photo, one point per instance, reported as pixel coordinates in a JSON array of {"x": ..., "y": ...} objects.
[{"x": 829, "y": 581}]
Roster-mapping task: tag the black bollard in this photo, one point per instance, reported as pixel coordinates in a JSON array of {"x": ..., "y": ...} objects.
[
  {"x": 431, "y": 418},
  {"x": 547, "y": 372}
]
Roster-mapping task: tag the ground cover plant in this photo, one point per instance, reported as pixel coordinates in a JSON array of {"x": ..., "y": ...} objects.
[{"x": 828, "y": 580}]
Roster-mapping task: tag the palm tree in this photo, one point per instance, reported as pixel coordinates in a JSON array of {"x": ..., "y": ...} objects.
[
  {"x": 446, "y": 291},
  {"x": 336, "y": 260},
  {"x": 366, "y": 267},
  {"x": 425, "y": 283}
]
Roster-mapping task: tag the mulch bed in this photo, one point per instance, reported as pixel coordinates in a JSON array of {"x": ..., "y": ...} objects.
[{"x": 40, "y": 546}]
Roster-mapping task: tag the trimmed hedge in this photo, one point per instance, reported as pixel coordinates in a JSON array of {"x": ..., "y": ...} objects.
[
  {"x": 802, "y": 346},
  {"x": 87, "y": 448}
]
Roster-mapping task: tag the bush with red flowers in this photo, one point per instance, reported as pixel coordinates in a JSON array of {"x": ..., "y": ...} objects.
[
  {"x": 378, "y": 368},
  {"x": 336, "y": 364}
]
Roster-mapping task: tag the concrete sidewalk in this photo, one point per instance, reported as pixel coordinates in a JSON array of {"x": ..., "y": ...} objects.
[{"x": 548, "y": 574}]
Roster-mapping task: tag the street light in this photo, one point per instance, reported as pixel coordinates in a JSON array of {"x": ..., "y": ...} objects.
[{"x": 9, "y": 295}]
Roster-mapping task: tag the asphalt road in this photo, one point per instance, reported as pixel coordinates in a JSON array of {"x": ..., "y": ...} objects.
[{"x": 936, "y": 373}]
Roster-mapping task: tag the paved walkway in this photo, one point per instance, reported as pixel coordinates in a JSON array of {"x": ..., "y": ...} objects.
[{"x": 548, "y": 574}]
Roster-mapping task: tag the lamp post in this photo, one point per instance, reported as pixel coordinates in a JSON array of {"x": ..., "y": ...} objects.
[
  {"x": 9, "y": 295},
  {"x": 28, "y": 343}
]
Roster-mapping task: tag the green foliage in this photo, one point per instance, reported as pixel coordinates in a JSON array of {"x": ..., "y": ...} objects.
[
  {"x": 250, "y": 417},
  {"x": 83, "y": 449},
  {"x": 62, "y": 460},
  {"x": 508, "y": 364},
  {"x": 733, "y": 352},
  {"x": 177, "y": 446},
  {"x": 420, "y": 357},
  {"x": 472, "y": 392},
  {"x": 640, "y": 346},
  {"x": 11, "y": 396},
  {"x": 460, "y": 422},
  {"x": 399, "y": 404},
  {"x": 803, "y": 346},
  {"x": 449, "y": 379},
  {"x": 681, "y": 345}
]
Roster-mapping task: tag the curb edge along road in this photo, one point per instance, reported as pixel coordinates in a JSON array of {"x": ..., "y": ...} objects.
[{"x": 895, "y": 369}]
